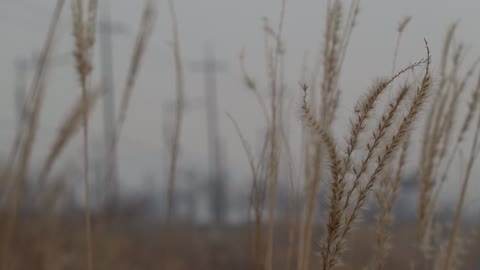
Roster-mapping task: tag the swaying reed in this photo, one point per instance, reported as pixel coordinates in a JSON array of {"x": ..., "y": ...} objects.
[
  {"x": 25, "y": 144},
  {"x": 84, "y": 36},
  {"x": 341, "y": 215},
  {"x": 179, "y": 109}
]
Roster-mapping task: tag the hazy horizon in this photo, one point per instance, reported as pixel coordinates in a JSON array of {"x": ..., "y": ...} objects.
[{"x": 230, "y": 26}]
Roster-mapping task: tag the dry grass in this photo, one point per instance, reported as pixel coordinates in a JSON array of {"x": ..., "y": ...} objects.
[
  {"x": 60, "y": 245},
  {"x": 24, "y": 145},
  {"x": 67, "y": 130},
  {"x": 364, "y": 169},
  {"x": 179, "y": 108}
]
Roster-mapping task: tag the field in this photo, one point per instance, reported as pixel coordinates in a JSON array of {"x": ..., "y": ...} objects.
[
  {"x": 61, "y": 245},
  {"x": 366, "y": 196}
]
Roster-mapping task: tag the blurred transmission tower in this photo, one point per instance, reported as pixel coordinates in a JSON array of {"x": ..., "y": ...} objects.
[
  {"x": 105, "y": 31},
  {"x": 209, "y": 67}
]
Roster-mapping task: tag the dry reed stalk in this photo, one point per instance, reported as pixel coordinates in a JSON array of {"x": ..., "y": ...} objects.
[
  {"x": 329, "y": 89},
  {"x": 179, "y": 108},
  {"x": 440, "y": 145},
  {"x": 309, "y": 188},
  {"x": 335, "y": 168},
  {"x": 253, "y": 170},
  {"x": 363, "y": 110},
  {"x": 26, "y": 145},
  {"x": 84, "y": 37},
  {"x": 146, "y": 25},
  {"x": 293, "y": 229},
  {"x": 313, "y": 175},
  {"x": 462, "y": 246},
  {"x": 270, "y": 152},
  {"x": 475, "y": 244},
  {"x": 461, "y": 200},
  {"x": 284, "y": 130},
  {"x": 252, "y": 86},
  {"x": 458, "y": 89},
  {"x": 389, "y": 188},
  {"x": 312, "y": 171},
  {"x": 273, "y": 60},
  {"x": 383, "y": 126},
  {"x": 67, "y": 130},
  {"x": 466, "y": 123},
  {"x": 340, "y": 220},
  {"x": 443, "y": 86},
  {"x": 145, "y": 31},
  {"x": 293, "y": 195},
  {"x": 306, "y": 227},
  {"x": 272, "y": 177},
  {"x": 351, "y": 21},
  {"x": 472, "y": 108},
  {"x": 331, "y": 57},
  {"x": 383, "y": 221},
  {"x": 54, "y": 194},
  {"x": 441, "y": 92},
  {"x": 305, "y": 68},
  {"x": 429, "y": 153},
  {"x": 386, "y": 198},
  {"x": 257, "y": 195},
  {"x": 400, "y": 29}
]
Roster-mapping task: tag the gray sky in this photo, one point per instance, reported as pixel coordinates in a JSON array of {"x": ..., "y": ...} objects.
[{"x": 230, "y": 25}]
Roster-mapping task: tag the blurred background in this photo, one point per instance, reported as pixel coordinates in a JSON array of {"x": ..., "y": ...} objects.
[
  {"x": 213, "y": 33},
  {"x": 213, "y": 177}
]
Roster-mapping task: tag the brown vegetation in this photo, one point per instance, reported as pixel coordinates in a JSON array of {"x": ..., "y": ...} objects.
[{"x": 366, "y": 168}]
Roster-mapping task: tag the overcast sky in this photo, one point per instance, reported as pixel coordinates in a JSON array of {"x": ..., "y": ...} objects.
[{"x": 229, "y": 25}]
